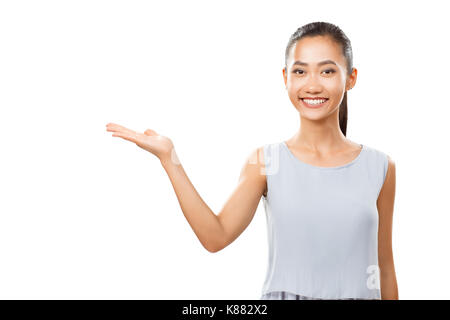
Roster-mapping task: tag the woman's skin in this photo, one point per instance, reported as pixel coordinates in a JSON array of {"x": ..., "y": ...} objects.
[{"x": 319, "y": 142}]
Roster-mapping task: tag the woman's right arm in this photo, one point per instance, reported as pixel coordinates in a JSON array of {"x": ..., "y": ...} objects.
[{"x": 215, "y": 232}]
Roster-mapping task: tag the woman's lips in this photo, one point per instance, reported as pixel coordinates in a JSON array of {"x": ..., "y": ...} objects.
[{"x": 314, "y": 106}]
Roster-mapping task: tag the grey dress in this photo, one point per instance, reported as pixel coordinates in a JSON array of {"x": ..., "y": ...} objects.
[{"x": 322, "y": 226}]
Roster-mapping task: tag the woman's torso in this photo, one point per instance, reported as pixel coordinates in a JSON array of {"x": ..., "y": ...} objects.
[{"x": 322, "y": 223}]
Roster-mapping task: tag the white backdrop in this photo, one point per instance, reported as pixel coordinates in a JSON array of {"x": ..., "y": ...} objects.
[{"x": 84, "y": 215}]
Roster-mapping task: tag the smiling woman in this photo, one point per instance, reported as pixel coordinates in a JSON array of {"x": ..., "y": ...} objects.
[
  {"x": 328, "y": 200},
  {"x": 329, "y": 232}
]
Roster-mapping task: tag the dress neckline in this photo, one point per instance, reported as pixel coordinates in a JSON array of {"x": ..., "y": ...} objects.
[{"x": 363, "y": 148}]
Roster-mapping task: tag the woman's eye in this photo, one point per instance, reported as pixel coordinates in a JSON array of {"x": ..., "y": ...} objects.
[{"x": 330, "y": 71}]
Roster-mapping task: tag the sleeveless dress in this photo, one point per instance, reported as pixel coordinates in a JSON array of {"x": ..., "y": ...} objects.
[{"x": 322, "y": 226}]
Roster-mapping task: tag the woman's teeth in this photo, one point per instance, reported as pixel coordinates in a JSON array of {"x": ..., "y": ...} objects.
[{"x": 315, "y": 101}]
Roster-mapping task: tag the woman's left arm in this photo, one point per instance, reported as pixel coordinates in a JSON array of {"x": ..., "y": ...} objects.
[{"x": 385, "y": 204}]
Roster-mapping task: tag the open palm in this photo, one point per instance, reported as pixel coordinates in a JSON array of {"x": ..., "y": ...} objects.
[{"x": 150, "y": 140}]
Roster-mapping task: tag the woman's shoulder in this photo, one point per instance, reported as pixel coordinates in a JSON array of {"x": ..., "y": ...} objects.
[
  {"x": 254, "y": 168},
  {"x": 375, "y": 151},
  {"x": 381, "y": 160}
]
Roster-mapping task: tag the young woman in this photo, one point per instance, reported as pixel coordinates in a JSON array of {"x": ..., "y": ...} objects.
[{"x": 328, "y": 200}]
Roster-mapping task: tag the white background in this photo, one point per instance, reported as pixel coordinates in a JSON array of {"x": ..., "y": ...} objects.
[{"x": 84, "y": 215}]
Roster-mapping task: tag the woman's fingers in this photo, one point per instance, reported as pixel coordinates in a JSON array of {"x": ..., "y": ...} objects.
[
  {"x": 130, "y": 135},
  {"x": 126, "y": 136},
  {"x": 113, "y": 127}
]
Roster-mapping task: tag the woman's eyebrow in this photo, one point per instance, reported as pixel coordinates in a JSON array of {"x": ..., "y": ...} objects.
[{"x": 319, "y": 63}]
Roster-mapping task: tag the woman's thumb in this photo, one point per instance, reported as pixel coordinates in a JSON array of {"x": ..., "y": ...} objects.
[{"x": 150, "y": 132}]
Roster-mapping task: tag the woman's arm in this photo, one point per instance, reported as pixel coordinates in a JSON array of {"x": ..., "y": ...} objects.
[
  {"x": 385, "y": 204},
  {"x": 215, "y": 232}
]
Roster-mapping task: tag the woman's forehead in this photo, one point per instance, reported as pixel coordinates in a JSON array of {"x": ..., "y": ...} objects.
[{"x": 313, "y": 50}]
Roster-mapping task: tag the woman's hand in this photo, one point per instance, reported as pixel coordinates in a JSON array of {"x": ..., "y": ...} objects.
[{"x": 160, "y": 146}]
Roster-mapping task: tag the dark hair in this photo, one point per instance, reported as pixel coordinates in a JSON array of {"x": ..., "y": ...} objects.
[{"x": 327, "y": 29}]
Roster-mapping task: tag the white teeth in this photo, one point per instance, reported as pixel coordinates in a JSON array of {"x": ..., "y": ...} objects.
[{"x": 315, "y": 101}]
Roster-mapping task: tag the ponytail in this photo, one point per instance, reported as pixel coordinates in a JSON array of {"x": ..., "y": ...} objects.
[{"x": 343, "y": 115}]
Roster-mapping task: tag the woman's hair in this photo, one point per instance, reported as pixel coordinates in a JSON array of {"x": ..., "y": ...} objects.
[{"x": 327, "y": 29}]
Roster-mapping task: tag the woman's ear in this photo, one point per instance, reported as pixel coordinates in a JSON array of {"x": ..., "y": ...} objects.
[{"x": 351, "y": 80}]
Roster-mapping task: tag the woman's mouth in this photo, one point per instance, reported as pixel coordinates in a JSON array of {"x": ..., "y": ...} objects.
[{"x": 314, "y": 103}]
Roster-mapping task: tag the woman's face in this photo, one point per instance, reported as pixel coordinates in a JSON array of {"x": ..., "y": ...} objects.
[{"x": 307, "y": 78}]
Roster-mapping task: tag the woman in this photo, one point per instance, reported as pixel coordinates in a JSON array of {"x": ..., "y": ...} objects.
[{"x": 328, "y": 200}]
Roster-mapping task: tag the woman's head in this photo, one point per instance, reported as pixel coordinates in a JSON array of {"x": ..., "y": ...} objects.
[{"x": 305, "y": 76}]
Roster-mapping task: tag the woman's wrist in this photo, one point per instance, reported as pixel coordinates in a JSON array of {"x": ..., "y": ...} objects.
[{"x": 169, "y": 158}]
